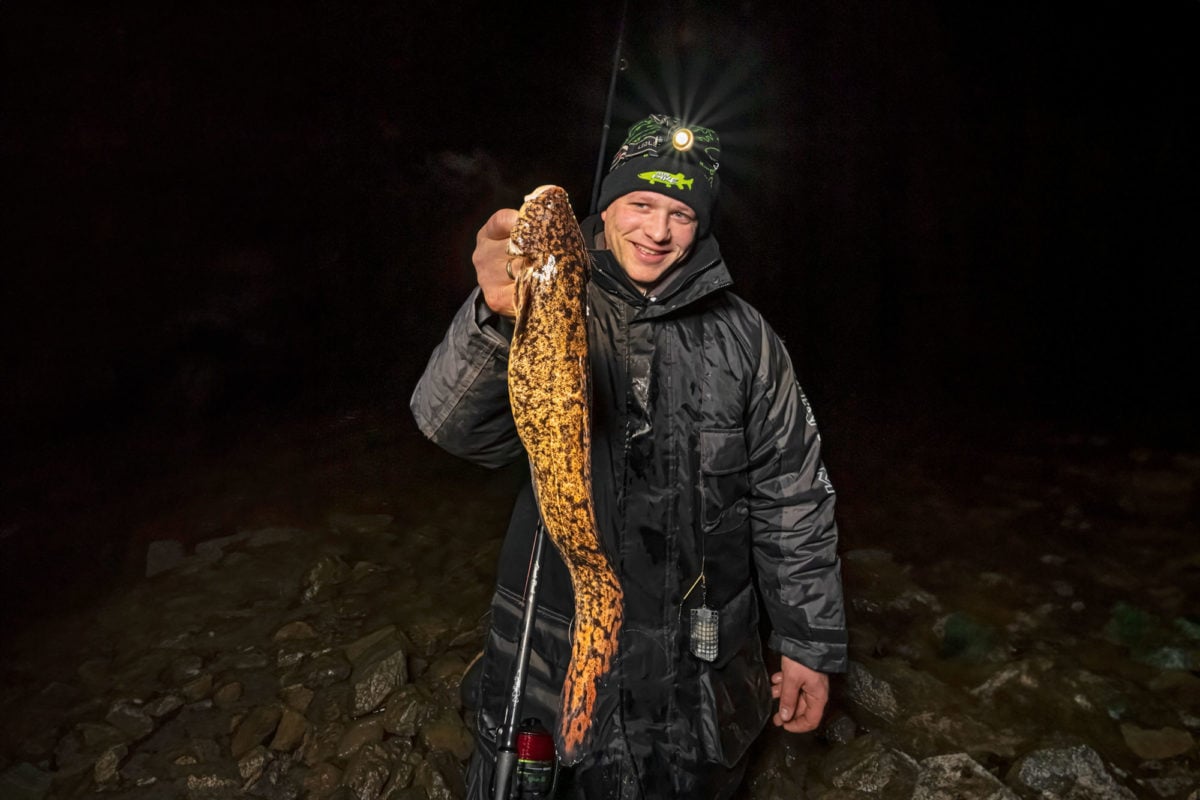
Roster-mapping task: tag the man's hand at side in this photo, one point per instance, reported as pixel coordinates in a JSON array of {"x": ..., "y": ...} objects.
[{"x": 802, "y": 694}]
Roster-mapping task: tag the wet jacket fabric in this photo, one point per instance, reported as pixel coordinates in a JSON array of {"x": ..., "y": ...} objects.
[{"x": 709, "y": 490}]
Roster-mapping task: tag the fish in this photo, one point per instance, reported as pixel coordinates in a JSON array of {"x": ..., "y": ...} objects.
[{"x": 550, "y": 395}]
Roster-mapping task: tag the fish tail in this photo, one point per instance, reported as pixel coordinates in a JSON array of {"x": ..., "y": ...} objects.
[{"x": 597, "y": 631}]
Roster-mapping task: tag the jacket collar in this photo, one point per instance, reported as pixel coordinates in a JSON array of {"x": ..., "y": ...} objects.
[{"x": 703, "y": 273}]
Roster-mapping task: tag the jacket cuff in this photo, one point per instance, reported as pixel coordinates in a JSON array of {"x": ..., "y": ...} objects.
[
  {"x": 825, "y": 657},
  {"x": 490, "y": 323}
]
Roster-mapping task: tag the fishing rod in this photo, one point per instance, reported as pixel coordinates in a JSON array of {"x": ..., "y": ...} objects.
[
  {"x": 612, "y": 90},
  {"x": 520, "y": 755}
]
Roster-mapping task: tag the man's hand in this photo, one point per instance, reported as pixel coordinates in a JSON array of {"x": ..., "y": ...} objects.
[
  {"x": 492, "y": 262},
  {"x": 802, "y": 694}
]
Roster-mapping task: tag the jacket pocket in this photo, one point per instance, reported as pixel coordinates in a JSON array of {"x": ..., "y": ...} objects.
[
  {"x": 550, "y": 653},
  {"x": 724, "y": 481},
  {"x": 735, "y": 691}
]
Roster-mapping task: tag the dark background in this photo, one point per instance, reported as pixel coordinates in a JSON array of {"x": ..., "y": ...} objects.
[{"x": 224, "y": 213}]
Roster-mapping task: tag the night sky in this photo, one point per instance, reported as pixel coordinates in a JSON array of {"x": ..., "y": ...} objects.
[{"x": 215, "y": 210}]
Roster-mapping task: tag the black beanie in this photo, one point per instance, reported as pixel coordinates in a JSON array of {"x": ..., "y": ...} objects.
[{"x": 648, "y": 161}]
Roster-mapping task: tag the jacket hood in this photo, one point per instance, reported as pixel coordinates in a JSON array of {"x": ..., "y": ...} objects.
[{"x": 703, "y": 273}]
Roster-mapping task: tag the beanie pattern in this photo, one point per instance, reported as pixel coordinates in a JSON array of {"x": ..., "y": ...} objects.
[{"x": 648, "y": 161}]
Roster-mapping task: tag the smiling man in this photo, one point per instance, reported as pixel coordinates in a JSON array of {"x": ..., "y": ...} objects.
[{"x": 711, "y": 497}]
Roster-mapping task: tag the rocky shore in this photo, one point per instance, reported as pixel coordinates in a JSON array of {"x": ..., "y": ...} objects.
[{"x": 1050, "y": 650}]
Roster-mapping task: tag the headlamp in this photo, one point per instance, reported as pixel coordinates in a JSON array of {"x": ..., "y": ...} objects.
[{"x": 682, "y": 139}]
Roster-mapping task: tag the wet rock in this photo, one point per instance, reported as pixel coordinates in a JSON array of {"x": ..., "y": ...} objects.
[
  {"x": 255, "y": 729},
  {"x": 871, "y": 693},
  {"x": 324, "y": 670},
  {"x": 1156, "y": 744},
  {"x": 447, "y": 732},
  {"x": 322, "y": 578},
  {"x": 407, "y": 708},
  {"x": 106, "y": 770},
  {"x": 358, "y": 734},
  {"x": 322, "y": 780},
  {"x": 130, "y": 717},
  {"x": 870, "y": 766},
  {"x": 321, "y": 742},
  {"x": 1066, "y": 772},
  {"x": 928, "y": 733},
  {"x": 355, "y": 649},
  {"x": 378, "y": 672},
  {"x": 164, "y": 705},
  {"x": 367, "y": 771},
  {"x": 212, "y": 785},
  {"x": 197, "y": 688},
  {"x": 227, "y": 694},
  {"x": 957, "y": 775},
  {"x": 290, "y": 732},
  {"x": 840, "y": 728},
  {"x": 251, "y": 765},
  {"x": 298, "y": 698},
  {"x": 292, "y": 631}
]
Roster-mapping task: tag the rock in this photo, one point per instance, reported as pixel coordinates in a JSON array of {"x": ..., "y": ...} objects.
[
  {"x": 324, "y": 670},
  {"x": 355, "y": 649},
  {"x": 251, "y": 765},
  {"x": 322, "y": 577},
  {"x": 358, "y": 734},
  {"x": 106, "y": 771},
  {"x": 197, "y": 688},
  {"x": 164, "y": 706},
  {"x": 932, "y": 733},
  {"x": 291, "y": 730},
  {"x": 871, "y": 693},
  {"x": 321, "y": 742},
  {"x": 1156, "y": 744},
  {"x": 292, "y": 631},
  {"x": 130, "y": 717},
  {"x": 868, "y": 765},
  {"x": 367, "y": 771},
  {"x": 227, "y": 694},
  {"x": 322, "y": 780},
  {"x": 407, "y": 708},
  {"x": 380, "y": 670},
  {"x": 1066, "y": 772},
  {"x": 957, "y": 775},
  {"x": 254, "y": 729},
  {"x": 211, "y": 785},
  {"x": 447, "y": 732},
  {"x": 298, "y": 697}
]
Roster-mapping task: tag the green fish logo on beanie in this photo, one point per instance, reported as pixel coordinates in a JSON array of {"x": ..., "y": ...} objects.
[{"x": 649, "y": 161}]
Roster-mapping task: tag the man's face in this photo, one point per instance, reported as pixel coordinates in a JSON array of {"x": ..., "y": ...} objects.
[{"x": 649, "y": 234}]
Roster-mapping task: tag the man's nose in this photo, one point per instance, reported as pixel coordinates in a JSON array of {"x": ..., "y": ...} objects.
[{"x": 658, "y": 227}]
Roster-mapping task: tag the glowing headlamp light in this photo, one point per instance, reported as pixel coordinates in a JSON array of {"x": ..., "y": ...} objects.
[{"x": 682, "y": 139}]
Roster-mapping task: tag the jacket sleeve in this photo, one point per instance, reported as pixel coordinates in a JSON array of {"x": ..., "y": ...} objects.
[
  {"x": 791, "y": 515},
  {"x": 461, "y": 400}
]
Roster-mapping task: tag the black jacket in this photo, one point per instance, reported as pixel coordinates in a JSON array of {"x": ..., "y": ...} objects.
[{"x": 706, "y": 459}]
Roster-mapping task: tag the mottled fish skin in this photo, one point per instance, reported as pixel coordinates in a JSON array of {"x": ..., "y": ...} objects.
[{"x": 548, "y": 386}]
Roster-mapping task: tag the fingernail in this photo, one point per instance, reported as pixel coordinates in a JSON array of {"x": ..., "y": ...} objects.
[{"x": 785, "y": 714}]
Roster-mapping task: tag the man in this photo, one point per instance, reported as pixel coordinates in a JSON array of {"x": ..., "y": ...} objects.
[{"x": 708, "y": 483}]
